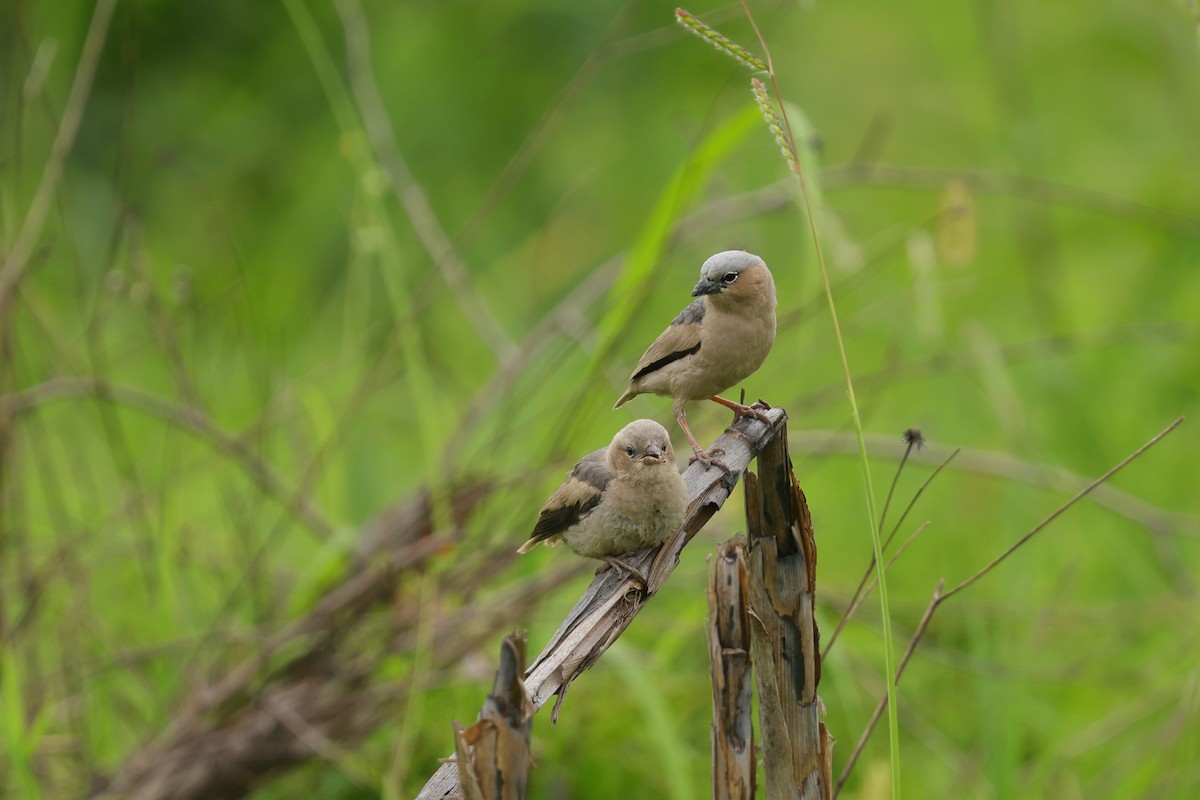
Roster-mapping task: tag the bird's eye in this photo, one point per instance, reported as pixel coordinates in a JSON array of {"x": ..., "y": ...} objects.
[
  {"x": 729, "y": 277},
  {"x": 630, "y": 451}
]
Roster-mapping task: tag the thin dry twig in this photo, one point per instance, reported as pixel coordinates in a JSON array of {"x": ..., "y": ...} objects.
[
  {"x": 312, "y": 689},
  {"x": 912, "y": 438},
  {"x": 1061, "y": 509},
  {"x": 865, "y": 584},
  {"x": 940, "y": 597},
  {"x": 1154, "y": 519},
  {"x": 189, "y": 419},
  {"x": 877, "y": 714}
]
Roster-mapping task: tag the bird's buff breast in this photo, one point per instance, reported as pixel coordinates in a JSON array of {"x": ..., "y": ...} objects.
[
  {"x": 725, "y": 360},
  {"x": 616, "y": 528}
]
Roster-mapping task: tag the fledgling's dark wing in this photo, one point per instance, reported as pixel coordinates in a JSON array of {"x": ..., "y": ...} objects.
[{"x": 573, "y": 500}]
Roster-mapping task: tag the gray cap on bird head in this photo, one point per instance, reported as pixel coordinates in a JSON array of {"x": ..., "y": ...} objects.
[{"x": 719, "y": 271}]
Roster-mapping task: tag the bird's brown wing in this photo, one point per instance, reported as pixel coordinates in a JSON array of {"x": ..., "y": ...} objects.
[
  {"x": 573, "y": 500},
  {"x": 679, "y": 340}
]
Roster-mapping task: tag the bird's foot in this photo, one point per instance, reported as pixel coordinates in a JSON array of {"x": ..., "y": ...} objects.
[
  {"x": 709, "y": 458},
  {"x": 612, "y": 562},
  {"x": 757, "y": 410}
]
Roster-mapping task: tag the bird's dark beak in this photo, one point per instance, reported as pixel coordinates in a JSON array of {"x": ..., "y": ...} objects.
[
  {"x": 705, "y": 286},
  {"x": 653, "y": 454}
]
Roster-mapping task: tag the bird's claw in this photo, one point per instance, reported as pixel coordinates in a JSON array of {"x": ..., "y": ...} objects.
[
  {"x": 757, "y": 410},
  {"x": 612, "y": 562},
  {"x": 709, "y": 458}
]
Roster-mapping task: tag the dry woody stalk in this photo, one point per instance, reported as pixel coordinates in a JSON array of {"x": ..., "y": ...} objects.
[
  {"x": 492, "y": 755},
  {"x": 733, "y": 763},
  {"x": 797, "y": 749}
]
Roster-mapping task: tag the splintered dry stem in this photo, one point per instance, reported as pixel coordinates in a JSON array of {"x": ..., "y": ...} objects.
[
  {"x": 733, "y": 757},
  {"x": 492, "y": 755},
  {"x": 782, "y": 565}
]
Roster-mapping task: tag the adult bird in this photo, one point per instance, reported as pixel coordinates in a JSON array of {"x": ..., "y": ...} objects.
[{"x": 717, "y": 341}]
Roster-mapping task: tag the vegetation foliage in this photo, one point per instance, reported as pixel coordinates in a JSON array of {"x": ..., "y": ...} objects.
[{"x": 271, "y": 268}]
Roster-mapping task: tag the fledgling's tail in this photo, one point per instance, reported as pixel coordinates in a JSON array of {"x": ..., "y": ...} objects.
[{"x": 549, "y": 541}]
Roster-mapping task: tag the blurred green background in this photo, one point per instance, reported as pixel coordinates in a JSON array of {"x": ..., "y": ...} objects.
[{"x": 308, "y": 260}]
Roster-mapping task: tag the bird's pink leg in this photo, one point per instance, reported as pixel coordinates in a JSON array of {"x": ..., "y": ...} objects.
[
  {"x": 740, "y": 409},
  {"x": 701, "y": 455}
]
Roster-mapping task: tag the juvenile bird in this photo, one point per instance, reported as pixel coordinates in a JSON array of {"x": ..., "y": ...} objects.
[
  {"x": 718, "y": 340},
  {"x": 618, "y": 499}
]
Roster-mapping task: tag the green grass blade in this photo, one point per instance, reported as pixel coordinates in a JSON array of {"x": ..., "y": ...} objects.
[
  {"x": 629, "y": 290},
  {"x": 19, "y": 742},
  {"x": 781, "y": 130}
]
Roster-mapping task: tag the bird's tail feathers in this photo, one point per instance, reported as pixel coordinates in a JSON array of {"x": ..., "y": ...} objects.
[
  {"x": 630, "y": 393},
  {"x": 549, "y": 541}
]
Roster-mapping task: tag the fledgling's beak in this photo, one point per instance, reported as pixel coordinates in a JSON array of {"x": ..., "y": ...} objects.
[
  {"x": 706, "y": 286},
  {"x": 653, "y": 454}
]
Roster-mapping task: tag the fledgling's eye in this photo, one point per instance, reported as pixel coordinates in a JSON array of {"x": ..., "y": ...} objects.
[
  {"x": 729, "y": 277},
  {"x": 630, "y": 451}
]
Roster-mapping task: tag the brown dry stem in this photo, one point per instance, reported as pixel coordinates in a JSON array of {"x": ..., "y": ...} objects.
[
  {"x": 733, "y": 764},
  {"x": 797, "y": 749},
  {"x": 492, "y": 755},
  {"x": 310, "y": 690}
]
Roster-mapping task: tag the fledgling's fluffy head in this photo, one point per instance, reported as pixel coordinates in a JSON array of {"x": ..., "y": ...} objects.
[
  {"x": 736, "y": 277},
  {"x": 642, "y": 444}
]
